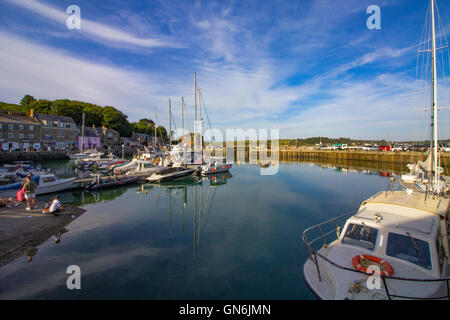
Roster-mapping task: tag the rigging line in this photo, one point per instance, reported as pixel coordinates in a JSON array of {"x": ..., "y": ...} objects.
[
  {"x": 206, "y": 112},
  {"x": 209, "y": 210}
]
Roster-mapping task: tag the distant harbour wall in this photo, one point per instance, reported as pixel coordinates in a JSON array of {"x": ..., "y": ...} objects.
[
  {"x": 11, "y": 156},
  {"x": 348, "y": 155},
  {"x": 356, "y": 155}
]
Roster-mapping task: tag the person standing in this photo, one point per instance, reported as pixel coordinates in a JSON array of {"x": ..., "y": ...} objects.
[{"x": 30, "y": 192}]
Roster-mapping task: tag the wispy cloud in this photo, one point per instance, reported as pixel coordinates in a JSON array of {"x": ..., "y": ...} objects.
[{"x": 97, "y": 31}]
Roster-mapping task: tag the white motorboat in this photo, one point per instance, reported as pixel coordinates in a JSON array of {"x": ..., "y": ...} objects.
[
  {"x": 47, "y": 183},
  {"x": 397, "y": 244},
  {"x": 168, "y": 174},
  {"x": 404, "y": 233},
  {"x": 144, "y": 168}
]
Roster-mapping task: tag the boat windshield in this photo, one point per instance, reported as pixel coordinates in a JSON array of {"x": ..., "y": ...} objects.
[
  {"x": 405, "y": 247},
  {"x": 360, "y": 235}
]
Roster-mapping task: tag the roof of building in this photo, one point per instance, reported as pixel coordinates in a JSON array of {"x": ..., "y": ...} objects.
[
  {"x": 105, "y": 130},
  {"x": 91, "y": 132},
  {"x": 17, "y": 118},
  {"x": 50, "y": 117}
]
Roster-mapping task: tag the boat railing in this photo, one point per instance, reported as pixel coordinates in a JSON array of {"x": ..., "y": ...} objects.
[{"x": 322, "y": 234}]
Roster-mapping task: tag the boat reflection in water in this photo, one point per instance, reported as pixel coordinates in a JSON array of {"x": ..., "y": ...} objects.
[{"x": 203, "y": 191}]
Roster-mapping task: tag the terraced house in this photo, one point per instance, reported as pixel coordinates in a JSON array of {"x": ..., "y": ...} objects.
[
  {"x": 19, "y": 132},
  {"x": 57, "y": 132}
]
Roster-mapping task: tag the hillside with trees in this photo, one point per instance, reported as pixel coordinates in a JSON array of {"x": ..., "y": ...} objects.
[{"x": 95, "y": 115}]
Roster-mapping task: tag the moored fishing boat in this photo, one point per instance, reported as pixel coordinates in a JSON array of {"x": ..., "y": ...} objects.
[{"x": 396, "y": 246}]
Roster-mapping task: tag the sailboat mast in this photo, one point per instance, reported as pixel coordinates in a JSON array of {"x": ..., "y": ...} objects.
[
  {"x": 82, "y": 135},
  {"x": 170, "y": 125},
  {"x": 434, "y": 101},
  {"x": 199, "y": 105},
  {"x": 154, "y": 139},
  {"x": 182, "y": 115},
  {"x": 195, "y": 94}
]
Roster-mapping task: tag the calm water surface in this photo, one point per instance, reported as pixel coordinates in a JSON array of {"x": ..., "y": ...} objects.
[{"x": 225, "y": 238}]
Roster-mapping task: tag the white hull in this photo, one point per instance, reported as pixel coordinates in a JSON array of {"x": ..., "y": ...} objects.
[{"x": 43, "y": 188}]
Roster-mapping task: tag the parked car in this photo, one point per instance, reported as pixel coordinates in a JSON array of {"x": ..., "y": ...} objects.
[
  {"x": 398, "y": 148},
  {"x": 384, "y": 148},
  {"x": 369, "y": 148}
]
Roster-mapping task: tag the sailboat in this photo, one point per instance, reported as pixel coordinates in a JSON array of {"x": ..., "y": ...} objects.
[
  {"x": 396, "y": 246},
  {"x": 83, "y": 154}
]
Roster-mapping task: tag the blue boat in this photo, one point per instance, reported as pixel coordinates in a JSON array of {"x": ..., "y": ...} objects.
[{"x": 17, "y": 185}]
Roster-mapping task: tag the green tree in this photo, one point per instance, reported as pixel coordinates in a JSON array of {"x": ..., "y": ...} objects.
[
  {"x": 41, "y": 106},
  {"x": 93, "y": 114},
  {"x": 67, "y": 108},
  {"x": 145, "y": 126},
  {"x": 115, "y": 119},
  {"x": 26, "y": 100}
]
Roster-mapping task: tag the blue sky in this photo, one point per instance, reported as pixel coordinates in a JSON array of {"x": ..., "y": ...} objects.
[{"x": 306, "y": 67}]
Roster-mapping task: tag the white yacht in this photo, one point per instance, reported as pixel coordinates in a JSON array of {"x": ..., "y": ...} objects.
[{"x": 397, "y": 244}]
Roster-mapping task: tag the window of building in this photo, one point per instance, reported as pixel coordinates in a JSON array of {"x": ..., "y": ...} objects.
[
  {"x": 360, "y": 235},
  {"x": 10, "y": 135},
  {"x": 31, "y": 136},
  {"x": 31, "y": 127},
  {"x": 1, "y": 125},
  {"x": 20, "y": 135},
  {"x": 21, "y": 127},
  {"x": 408, "y": 248},
  {"x": 10, "y": 126}
]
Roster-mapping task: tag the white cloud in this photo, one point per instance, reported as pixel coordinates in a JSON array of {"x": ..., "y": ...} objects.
[{"x": 96, "y": 31}]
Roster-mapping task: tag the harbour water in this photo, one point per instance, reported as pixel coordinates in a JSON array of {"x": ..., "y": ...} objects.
[{"x": 234, "y": 236}]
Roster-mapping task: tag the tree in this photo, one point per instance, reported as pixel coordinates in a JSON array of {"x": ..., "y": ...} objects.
[
  {"x": 114, "y": 119},
  {"x": 67, "y": 108},
  {"x": 26, "y": 100},
  {"x": 41, "y": 106},
  {"x": 161, "y": 132},
  {"x": 145, "y": 126},
  {"x": 93, "y": 115}
]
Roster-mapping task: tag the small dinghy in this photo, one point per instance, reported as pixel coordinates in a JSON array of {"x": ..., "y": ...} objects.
[
  {"x": 99, "y": 183},
  {"x": 215, "y": 168},
  {"x": 170, "y": 174}
]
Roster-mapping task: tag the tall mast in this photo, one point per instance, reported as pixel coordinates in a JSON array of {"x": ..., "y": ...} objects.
[
  {"x": 195, "y": 94},
  {"x": 199, "y": 105},
  {"x": 434, "y": 102},
  {"x": 170, "y": 126},
  {"x": 82, "y": 135},
  {"x": 154, "y": 138},
  {"x": 182, "y": 115}
]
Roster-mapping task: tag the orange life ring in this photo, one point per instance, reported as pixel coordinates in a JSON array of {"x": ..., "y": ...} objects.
[{"x": 388, "y": 270}]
